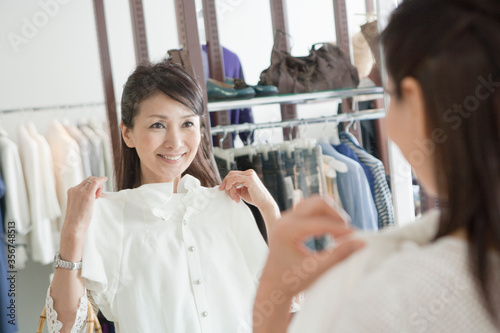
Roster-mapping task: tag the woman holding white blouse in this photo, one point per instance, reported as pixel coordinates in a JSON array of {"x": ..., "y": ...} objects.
[{"x": 170, "y": 251}]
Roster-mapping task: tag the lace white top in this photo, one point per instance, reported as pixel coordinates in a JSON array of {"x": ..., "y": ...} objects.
[
  {"x": 400, "y": 282},
  {"x": 158, "y": 261}
]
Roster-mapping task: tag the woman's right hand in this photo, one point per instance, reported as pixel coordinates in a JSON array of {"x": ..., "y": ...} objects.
[
  {"x": 287, "y": 252},
  {"x": 80, "y": 204}
]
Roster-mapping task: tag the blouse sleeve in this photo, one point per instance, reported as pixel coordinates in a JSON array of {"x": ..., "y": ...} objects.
[
  {"x": 54, "y": 325},
  {"x": 250, "y": 239},
  {"x": 102, "y": 253}
]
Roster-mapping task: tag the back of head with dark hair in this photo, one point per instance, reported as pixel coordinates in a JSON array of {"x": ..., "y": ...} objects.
[
  {"x": 452, "y": 48},
  {"x": 173, "y": 81}
]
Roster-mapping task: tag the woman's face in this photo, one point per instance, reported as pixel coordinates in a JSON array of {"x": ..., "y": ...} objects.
[
  {"x": 407, "y": 127},
  {"x": 166, "y": 136}
]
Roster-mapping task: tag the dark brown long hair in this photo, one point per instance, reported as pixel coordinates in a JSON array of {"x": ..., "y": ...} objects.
[
  {"x": 173, "y": 81},
  {"x": 453, "y": 49}
]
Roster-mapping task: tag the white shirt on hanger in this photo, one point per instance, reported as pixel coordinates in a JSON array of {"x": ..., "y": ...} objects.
[
  {"x": 41, "y": 244},
  {"x": 96, "y": 151},
  {"x": 108, "y": 154},
  {"x": 84, "y": 145},
  {"x": 51, "y": 205},
  {"x": 158, "y": 261},
  {"x": 67, "y": 163},
  {"x": 16, "y": 207}
]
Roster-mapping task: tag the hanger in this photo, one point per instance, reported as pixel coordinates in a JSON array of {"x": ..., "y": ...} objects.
[
  {"x": 351, "y": 122},
  {"x": 225, "y": 154},
  {"x": 303, "y": 142},
  {"x": 245, "y": 150},
  {"x": 221, "y": 140},
  {"x": 249, "y": 138},
  {"x": 323, "y": 138}
]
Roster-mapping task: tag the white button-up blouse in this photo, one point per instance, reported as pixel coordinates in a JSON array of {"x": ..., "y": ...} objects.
[{"x": 158, "y": 261}]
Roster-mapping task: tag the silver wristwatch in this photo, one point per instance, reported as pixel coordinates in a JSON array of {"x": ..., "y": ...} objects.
[{"x": 58, "y": 262}]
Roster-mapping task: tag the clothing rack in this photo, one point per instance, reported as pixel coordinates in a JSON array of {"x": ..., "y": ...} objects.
[
  {"x": 344, "y": 117},
  {"x": 55, "y": 107}
]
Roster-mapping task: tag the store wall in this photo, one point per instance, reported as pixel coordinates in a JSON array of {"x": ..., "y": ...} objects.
[{"x": 49, "y": 56}]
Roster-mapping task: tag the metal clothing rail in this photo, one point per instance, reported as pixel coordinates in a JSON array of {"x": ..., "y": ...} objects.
[
  {"x": 360, "y": 115},
  {"x": 54, "y": 107}
]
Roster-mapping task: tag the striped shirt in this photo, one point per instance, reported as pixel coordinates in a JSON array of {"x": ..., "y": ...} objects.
[{"x": 382, "y": 195}]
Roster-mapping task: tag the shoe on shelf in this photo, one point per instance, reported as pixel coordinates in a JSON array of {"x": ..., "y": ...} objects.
[
  {"x": 260, "y": 90},
  {"x": 217, "y": 91}
]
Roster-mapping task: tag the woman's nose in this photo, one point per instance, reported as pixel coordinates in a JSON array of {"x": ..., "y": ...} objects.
[{"x": 173, "y": 139}]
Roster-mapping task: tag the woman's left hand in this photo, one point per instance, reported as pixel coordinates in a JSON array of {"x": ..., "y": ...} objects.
[{"x": 246, "y": 185}]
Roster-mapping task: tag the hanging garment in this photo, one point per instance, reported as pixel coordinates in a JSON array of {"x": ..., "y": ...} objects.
[
  {"x": 8, "y": 320},
  {"x": 51, "y": 204},
  {"x": 347, "y": 151},
  {"x": 354, "y": 192},
  {"x": 16, "y": 198},
  {"x": 50, "y": 208},
  {"x": 84, "y": 145},
  {"x": 198, "y": 267},
  {"x": 108, "y": 154},
  {"x": 16, "y": 205},
  {"x": 383, "y": 197},
  {"x": 295, "y": 170},
  {"x": 273, "y": 170},
  {"x": 313, "y": 164},
  {"x": 222, "y": 166},
  {"x": 67, "y": 163},
  {"x": 331, "y": 184},
  {"x": 96, "y": 151},
  {"x": 41, "y": 237},
  {"x": 233, "y": 70}
]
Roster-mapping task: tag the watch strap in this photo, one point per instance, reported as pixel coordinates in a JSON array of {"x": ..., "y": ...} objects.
[{"x": 58, "y": 262}]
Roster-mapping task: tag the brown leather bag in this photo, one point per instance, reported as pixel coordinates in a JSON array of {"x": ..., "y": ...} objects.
[
  {"x": 181, "y": 57},
  {"x": 326, "y": 68}
]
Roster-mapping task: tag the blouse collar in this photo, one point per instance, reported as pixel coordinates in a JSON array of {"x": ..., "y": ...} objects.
[{"x": 158, "y": 194}]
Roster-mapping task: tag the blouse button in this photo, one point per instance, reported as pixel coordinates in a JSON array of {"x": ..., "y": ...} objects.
[
  {"x": 204, "y": 314},
  {"x": 192, "y": 248},
  {"x": 184, "y": 222},
  {"x": 199, "y": 281}
]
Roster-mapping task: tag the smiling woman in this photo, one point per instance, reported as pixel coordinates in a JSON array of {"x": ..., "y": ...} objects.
[
  {"x": 163, "y": 101},
  {"x": 166, "y": 136},
  {"x": 170, "y": 251}
]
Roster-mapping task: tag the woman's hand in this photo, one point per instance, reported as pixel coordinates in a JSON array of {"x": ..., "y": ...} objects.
[
  {"x": 289, "y": 255},
  {"x": 291, "y": 266},
  {"x": 80, "y": 205},
  {"x": 246, "y": 185}
]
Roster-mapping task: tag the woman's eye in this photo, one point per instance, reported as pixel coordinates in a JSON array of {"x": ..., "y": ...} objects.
[
  {"x": 157, "y": 125},
  {"x": 188, "y": 124}
]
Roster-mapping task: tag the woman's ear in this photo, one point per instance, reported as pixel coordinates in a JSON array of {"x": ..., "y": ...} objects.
[
  {"x": 126, "y": 135},
  {"x": 413, "y": 97}
]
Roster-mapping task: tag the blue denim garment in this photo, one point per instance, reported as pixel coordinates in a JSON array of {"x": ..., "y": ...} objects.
[
  {"x": 383, "y": 197},
  {"x": 354, "y": 192}
]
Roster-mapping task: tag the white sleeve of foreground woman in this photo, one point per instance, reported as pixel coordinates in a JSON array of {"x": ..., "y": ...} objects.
[{"x": 402, "y": 281}]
